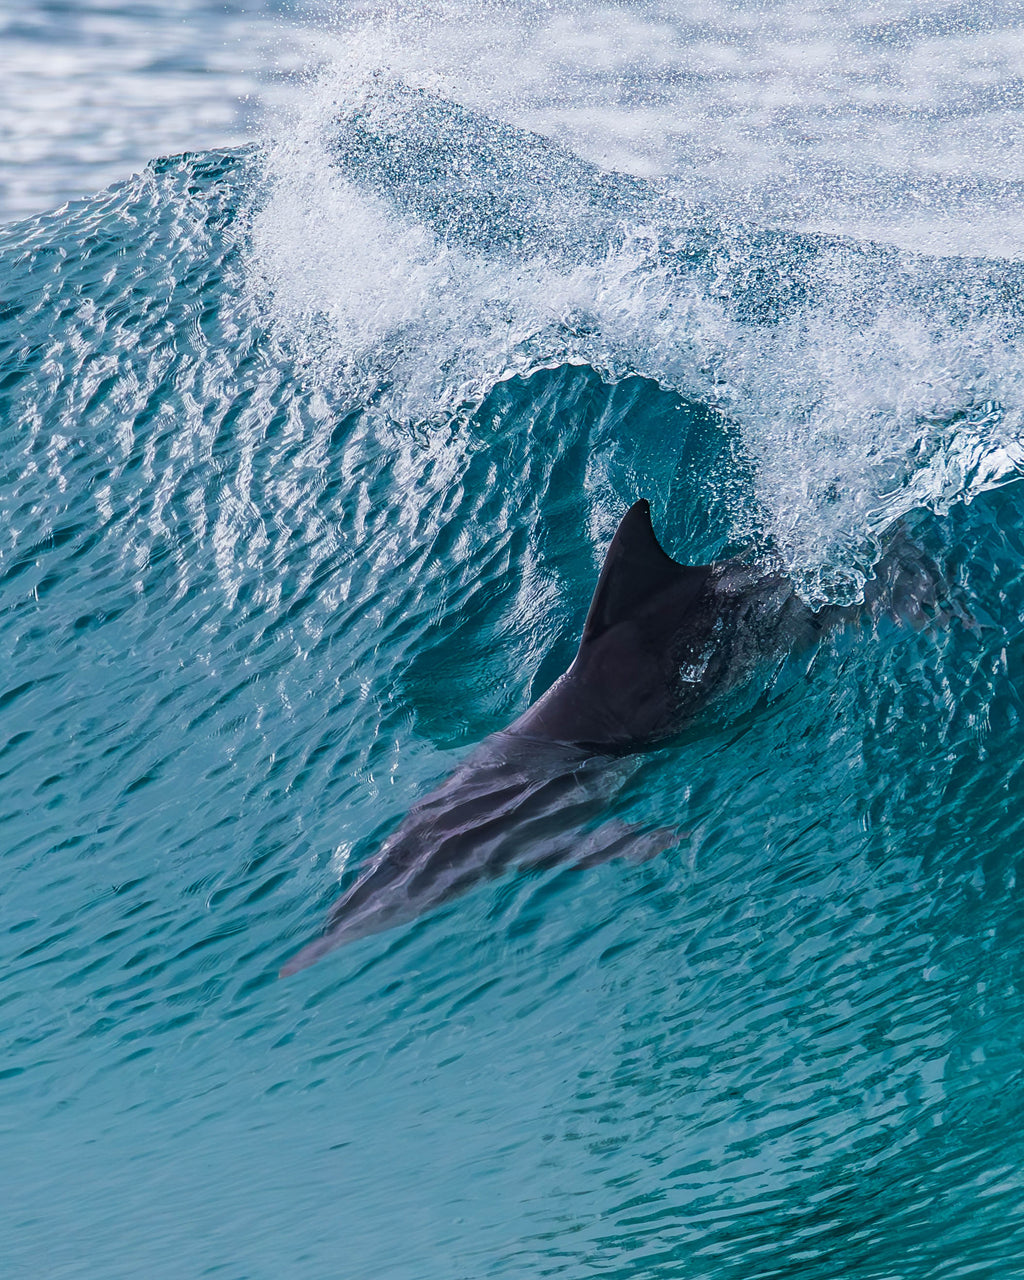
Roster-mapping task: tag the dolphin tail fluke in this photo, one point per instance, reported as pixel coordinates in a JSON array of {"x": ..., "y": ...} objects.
[{"x": 910, "y": 588}]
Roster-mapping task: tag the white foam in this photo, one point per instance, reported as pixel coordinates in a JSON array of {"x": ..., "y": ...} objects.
[
  {"x": 850, "y": 422},
  {"x": 895, "y": 119}
]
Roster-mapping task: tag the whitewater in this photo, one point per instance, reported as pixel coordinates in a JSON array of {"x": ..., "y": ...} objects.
[{"x": 318, "y": 412}]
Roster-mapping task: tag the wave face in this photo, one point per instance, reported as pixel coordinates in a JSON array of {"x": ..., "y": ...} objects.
[{"x": 310, "y": 454}]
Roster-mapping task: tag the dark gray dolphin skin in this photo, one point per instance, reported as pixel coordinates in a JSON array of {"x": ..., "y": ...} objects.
[{"x": 661, "y": 640}]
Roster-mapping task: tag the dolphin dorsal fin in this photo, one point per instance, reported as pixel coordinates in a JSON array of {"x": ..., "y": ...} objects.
[{"x": 636, "y": 569}]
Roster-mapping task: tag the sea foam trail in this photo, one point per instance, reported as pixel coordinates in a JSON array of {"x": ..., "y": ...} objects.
[{"x": 414, "y": 253}]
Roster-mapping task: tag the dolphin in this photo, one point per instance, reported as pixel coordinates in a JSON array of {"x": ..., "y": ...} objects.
[{"x": 661, "y": 641}]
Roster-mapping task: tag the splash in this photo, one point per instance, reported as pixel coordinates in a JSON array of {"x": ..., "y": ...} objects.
[{"x": 414, "y": 254}]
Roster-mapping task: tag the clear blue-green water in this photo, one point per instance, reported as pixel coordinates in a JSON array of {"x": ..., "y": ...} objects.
[{"x": 310, "y": 454}]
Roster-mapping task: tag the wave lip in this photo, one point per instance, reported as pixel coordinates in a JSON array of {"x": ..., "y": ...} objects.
[{"x": 413, "y": 253}]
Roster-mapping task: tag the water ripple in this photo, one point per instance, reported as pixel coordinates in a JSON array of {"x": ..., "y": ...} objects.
[{"x": 248, "y": 624}]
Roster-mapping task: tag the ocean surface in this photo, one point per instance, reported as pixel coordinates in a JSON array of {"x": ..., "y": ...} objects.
[{"x": 314, "y": 428}]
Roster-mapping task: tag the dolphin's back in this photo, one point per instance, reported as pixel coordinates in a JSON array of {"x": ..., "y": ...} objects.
[
  {"x": 656, "y": 644},
  {"x": 640, "y": 584}
]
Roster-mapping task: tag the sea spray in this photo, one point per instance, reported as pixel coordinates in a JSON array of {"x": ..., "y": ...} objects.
[{"x": 414, "y": 254}]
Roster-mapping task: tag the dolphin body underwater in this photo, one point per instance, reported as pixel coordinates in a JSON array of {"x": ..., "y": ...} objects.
[{"x": 661, "y": 641}]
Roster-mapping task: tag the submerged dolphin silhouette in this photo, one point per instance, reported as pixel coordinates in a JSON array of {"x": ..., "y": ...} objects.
[{"x": 660, "y": 641}]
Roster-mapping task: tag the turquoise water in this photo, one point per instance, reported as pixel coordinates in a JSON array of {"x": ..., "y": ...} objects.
[{"x": 310, "y": 456}]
